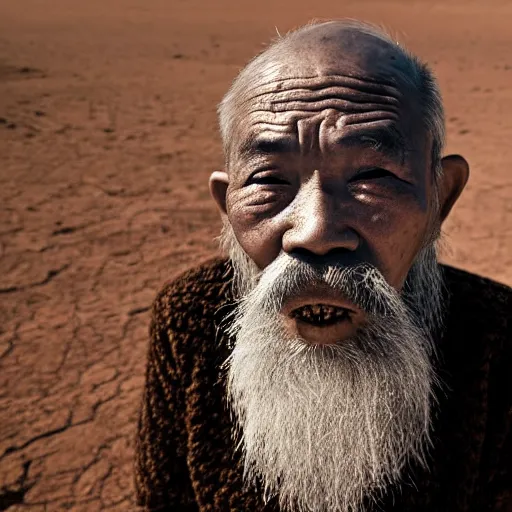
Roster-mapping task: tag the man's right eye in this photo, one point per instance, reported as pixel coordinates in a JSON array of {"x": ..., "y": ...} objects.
[{"x": 264, "y": 178}]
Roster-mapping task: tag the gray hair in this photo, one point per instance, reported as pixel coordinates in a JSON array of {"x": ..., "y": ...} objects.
[{"x": 418, "y": 75}]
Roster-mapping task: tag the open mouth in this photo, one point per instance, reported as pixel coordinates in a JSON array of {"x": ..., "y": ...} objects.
[{"x": 321, "y": 315}]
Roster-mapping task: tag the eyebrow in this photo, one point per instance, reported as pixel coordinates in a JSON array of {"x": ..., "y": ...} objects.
[
  {"x": 261, "y": 146},
  {"x": 388, "y": 140}
]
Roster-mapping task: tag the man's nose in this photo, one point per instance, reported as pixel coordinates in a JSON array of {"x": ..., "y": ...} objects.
[{"x": 319, "y": 224}]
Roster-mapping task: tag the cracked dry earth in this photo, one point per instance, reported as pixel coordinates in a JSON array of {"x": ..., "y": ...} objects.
[{"x": 107, "y": 138}]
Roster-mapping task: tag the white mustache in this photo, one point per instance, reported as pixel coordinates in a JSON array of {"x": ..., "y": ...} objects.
[{"x": 363, "y": 285}]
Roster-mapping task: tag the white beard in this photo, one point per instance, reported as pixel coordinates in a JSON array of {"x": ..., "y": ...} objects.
[{"x": 326, "y": 427}]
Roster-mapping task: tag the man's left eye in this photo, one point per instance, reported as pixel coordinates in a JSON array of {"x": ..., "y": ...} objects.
[{"x": 373, "y": 174}]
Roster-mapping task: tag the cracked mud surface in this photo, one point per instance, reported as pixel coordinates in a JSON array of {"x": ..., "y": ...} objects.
[{"x": 107, "y": 137}]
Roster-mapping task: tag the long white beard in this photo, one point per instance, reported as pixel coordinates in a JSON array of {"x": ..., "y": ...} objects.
[{"x": 326, "y": 427}]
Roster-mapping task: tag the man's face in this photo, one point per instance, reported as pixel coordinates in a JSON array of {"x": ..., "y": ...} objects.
[{"x": 331, "y": 168}]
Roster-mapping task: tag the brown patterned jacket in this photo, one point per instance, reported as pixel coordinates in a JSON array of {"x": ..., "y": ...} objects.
[{"x": 184, "y": 449}]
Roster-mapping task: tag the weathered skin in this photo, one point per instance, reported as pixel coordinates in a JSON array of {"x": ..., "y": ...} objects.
[{"x": 330, "y": 156}]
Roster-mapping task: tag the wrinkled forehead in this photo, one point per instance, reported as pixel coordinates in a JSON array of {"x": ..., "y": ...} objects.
[{"x": 323, "y": 96}]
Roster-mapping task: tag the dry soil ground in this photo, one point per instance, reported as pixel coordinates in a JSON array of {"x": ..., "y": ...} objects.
[{"x": 107, "y": 137}]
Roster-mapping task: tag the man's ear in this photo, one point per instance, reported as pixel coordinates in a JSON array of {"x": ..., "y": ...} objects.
[
  {"x": 219, "y": 181},
  {"x": 452, "y": 182}
]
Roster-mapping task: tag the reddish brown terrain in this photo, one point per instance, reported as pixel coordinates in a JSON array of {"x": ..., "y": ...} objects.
[{"x": 107, "y": 137}]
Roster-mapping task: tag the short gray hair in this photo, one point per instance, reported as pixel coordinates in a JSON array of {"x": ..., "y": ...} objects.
[{"x": 419, "y": 76}]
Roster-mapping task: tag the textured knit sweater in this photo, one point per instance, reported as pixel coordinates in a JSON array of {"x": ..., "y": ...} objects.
[{"x": 185, "y": 455}]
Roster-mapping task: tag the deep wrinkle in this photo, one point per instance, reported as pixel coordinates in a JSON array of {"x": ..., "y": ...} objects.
[{"x": 305, "y": 107}]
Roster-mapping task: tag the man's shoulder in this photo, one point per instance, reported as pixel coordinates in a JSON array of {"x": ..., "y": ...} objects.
[
  {"x": 479, "y": 293},
  {"x": 200, "y": 289},
  {"x": 479, "y": 317}
]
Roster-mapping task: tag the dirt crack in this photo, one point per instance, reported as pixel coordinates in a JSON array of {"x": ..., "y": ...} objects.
[
  {"x": 50, "y": 275},
  {"x": 16, "y": 496}
]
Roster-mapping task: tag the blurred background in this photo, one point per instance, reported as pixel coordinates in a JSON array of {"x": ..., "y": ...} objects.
[{"x": 107, "y": 137}]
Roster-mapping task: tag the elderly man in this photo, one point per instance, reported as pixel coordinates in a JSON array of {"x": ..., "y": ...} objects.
[{"x": 330, "y": 364}]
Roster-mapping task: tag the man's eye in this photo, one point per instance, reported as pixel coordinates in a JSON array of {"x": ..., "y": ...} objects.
[
  {"x": 372, "y": 174},
  {"x": 266, "y": 179}
]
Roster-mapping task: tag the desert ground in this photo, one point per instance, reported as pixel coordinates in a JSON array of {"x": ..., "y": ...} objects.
[{"x": 107, "y": 137}]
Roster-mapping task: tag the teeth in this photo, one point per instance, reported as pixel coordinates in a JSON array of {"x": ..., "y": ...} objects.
[{"x": 320, "y": 313}]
